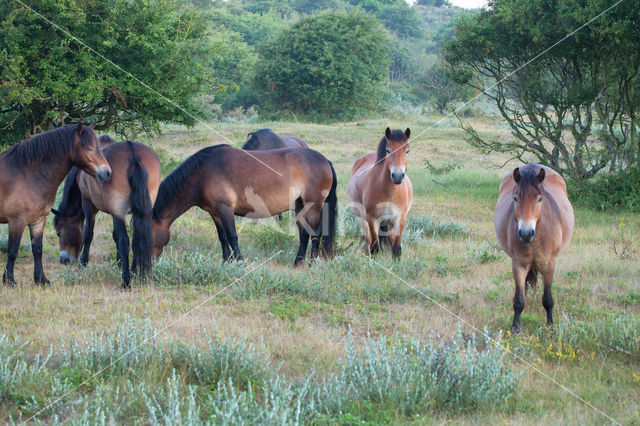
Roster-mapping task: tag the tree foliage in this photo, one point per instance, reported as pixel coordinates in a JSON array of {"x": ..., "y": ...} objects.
[
  {"x": 330, "y": 65},
  {"x": 574, "y": 108},
  {"x": 48, "y": 79}
]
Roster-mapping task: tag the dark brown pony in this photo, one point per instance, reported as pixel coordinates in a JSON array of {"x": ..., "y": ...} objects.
[
  {"x": 30, "y": 174},
  {"x": 225, "y": 181},
  {"x": 133, "y": 189},
  {"x": 380, "y": 192},
  {"x": 534, "y": 223},
  {"x": 263, "y": 139}
]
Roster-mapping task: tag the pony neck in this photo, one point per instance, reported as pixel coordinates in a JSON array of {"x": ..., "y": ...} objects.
[
  {"x": 71, "y": 203},
  {"x": 178, "y": 205}
]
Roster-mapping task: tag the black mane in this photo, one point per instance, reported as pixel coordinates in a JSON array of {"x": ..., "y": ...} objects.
[
  {"x": 177, "y": 180},
  {"x": 44, "y": 146},
  {"x": 396, "y": 135},
  {"x": 528, "y": 177},
  {"x": 71, "y": 203}
]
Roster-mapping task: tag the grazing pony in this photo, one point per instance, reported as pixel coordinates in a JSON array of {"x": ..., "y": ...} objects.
[
  {"x": 380, "y": 192},
  {"x": 225, "y": 181},
  {"x": 133, "y": 189},
  {"x": 533, "y": 222},
  {"x": 30, "y": 174},
  {"x": 263, "y": 139}
]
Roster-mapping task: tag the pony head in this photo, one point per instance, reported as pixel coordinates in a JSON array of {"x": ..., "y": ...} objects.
[
  {"x": 527, "y": 201},
  {"x": 393, "y": 150},
  {"x": 87, "y": 155}
]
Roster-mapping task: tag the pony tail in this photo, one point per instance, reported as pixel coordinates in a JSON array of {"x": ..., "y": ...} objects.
[
  {"x": 141, "y": 211},
  {"x": 330, "y": 212}
]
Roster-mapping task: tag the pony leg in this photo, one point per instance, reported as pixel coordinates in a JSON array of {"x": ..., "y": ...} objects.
[
  {"x": 36, "y": 230},
  {"x": 312, "y": 217},
  {"x": 519, "y": 275},
  {"x": 229, "y": 224},
  {"x": 396, "y": 248},
  {"x": 15, "y": 235},
  {"x": 302, "y": 249},
  {"x": 373, "y": 243},
  {"x": 87, "y": 237},
  {"x": 303, "y": 234},
  {"x": 547, "y": 298},
  {"x": 222, "y": 236},
  {"x": 120, "y": 228}
]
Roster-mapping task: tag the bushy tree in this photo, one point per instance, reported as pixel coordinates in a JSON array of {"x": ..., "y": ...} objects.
[
  {"x": 402, "y": 20},
  {"x": 435, "y": 86},
  {"x": 48, "y": 79},
  {"x": 232, "y": 67},
  {"x": 574, "y": 108},
  {"x": 329, "y": 66}
]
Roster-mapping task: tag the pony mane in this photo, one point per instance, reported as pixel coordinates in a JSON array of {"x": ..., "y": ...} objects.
[
  {"x": 528, "y": 177},
  {"x": 396, "y": 136},
  {"x": 45, "y": 146},
  {"x": 177, "y": 180},
  {"x": 71, "y": 203}
]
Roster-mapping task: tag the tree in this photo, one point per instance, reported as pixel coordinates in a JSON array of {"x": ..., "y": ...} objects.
[
  {"x": 47, "y": 79},
  {"x": 575, "y": 108},
  {"x": 402, "y": 20},
  {"x": 329, "y": 66},
  {"x": 436, "y": 86}
]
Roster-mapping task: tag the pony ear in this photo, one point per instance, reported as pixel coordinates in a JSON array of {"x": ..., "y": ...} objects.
[
  {"x": 92, "y": 126},
  {"x": 516, "y": 174},
  {"x": 407, "y": 132},
  {"x": 541, "y": 175},
  {"x": 55, "y": 212},
  {"x": 387, "y": 133},
  {"x": 79, "y": 129}
]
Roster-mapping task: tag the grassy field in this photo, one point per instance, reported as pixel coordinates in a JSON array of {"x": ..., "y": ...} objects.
[{"x": 346, "y": 341}]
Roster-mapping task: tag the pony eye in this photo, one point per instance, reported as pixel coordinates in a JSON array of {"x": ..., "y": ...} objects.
[
  {"x": 388, "y": 151},
  {"x": 539, "y": 199},
  {"x": 407, "y": 151},
  {"x": 515, "y": 199}
]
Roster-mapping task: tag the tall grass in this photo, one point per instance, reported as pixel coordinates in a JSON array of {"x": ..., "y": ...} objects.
[{"x": 131, "y": 376}]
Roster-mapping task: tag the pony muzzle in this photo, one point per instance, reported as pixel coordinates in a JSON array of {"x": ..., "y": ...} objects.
[
  {"x": 397, "y": 175},
  {"x": 66, "y": 258},
  {"x": 103, "y": 174},
  {"x": 526, "y": 231}
]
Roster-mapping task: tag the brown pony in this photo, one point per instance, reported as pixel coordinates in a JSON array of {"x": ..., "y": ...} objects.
[
  {"x": 30, "y": 174},
  {"x": 225, "y": 181},
  {"x": 380, "y": 193},
  {"x": 263, "y": 139},
  {"x": 133, "y": 189},
  {"x": 533, "y": 222}
]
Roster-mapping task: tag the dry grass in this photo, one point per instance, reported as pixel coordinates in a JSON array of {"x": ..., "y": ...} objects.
[{"x": 301, "y": 331}]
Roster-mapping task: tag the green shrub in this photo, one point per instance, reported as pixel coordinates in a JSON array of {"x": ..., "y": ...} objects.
[{"x": 608, "y": 193}]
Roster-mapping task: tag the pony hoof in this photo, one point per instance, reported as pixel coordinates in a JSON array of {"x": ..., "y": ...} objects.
[
  {"x": 298, "y": 262},
  {"x": 43, "y": 282},
  {"x": 8, "y": 281},
  {"x": 515, "y": 329},
  {"x": 125, "y": 287}
]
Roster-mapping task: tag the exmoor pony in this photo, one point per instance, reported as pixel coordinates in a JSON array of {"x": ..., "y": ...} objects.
[
  {"x": 132, "y": 189},
  {"x": 227, "y": 182},
  {"x": 30, "y": 174},
  {"x": 533, "y": 221},
  {"x": 380, "y": 192}
]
